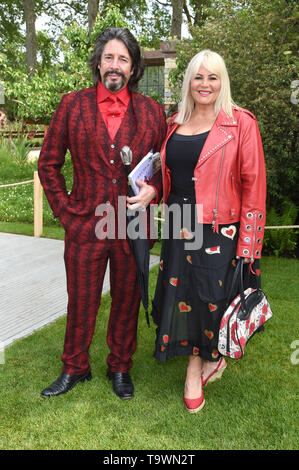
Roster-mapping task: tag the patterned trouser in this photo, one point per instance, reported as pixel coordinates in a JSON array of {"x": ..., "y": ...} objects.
[{"x": 85, "y": 268}]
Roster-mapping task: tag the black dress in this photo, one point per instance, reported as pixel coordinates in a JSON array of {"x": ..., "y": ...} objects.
[{"x": 193, "y": 284}]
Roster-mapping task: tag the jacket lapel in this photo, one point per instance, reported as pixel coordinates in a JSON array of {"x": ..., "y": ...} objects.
[
  {"x": 98, "y": 139},
  {"x": 127, "y": 130},
  {"x": 141, "y": 128},
  {"x": 90, "y": 113},
  {"x": 219, "y": 136}
]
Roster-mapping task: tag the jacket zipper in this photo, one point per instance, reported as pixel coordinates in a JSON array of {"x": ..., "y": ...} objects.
[
  {"x": 232, "y": 181},
  {"x": 163, "y": 150},
  {"x": 214, "y": 225}
]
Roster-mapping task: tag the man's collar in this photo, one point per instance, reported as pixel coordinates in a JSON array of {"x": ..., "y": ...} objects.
[{"x": 103, "y": 94}]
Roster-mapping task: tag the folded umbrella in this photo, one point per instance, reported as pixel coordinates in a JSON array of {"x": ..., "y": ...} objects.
[{"x": 139, "y": 244}]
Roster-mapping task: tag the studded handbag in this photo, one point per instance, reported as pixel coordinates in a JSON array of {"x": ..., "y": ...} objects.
[{"x": 243, "y": 317}]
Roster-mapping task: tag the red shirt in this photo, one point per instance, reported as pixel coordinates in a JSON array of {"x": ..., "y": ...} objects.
[{"x": 112, "y": 106}]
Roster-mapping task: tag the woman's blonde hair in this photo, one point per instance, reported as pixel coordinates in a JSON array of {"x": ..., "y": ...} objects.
[{"x": 215, "y": 64}]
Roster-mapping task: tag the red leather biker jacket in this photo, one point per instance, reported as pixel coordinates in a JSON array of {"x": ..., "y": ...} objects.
[{"x": 230, "y": 178}]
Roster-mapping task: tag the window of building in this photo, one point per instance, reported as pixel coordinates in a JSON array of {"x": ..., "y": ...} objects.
[{"x": 152, "y": 82}]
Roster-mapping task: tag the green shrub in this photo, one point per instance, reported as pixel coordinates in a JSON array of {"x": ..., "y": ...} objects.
[
  {"x": 12, "y": 168},
  {"x": 20, "y": 149},
  {"x": 16, "y": 202},
  {"x": 281, "y": 242},
  {"x": 259, "y": 43}
]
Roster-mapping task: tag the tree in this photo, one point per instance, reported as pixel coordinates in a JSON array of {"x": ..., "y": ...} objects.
[
  {"x": 10, "y": 22},
  {"x": 177, "y": 18},
  {"x": 201, "y": 10},
  {"x": 258, "y": 41},
  {"x": 93, "y": 8},
  {"x": 39, "y": 97},
  {"x": 31, "y": 60},
  {"x": 62, "y": 13}
]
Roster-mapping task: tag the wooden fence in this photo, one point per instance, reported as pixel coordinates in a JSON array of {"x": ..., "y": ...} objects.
[{"x": 27, "y": 131}]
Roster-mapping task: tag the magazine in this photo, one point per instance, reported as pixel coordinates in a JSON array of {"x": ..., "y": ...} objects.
[{"x": 145, "y": 170}]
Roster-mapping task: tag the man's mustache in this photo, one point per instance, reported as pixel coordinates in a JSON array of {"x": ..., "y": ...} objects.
[{"x": 113, "y": 72}]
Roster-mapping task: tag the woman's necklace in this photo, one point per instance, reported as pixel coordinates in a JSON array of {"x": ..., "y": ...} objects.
[
  {"x": 205, "y": 125},
  {"x": 191, "y": 128}
]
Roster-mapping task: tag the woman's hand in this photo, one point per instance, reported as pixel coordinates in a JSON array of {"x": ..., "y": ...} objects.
[
  {"x": 143, "y": 198},
  {"x": 246, "y": 260}
]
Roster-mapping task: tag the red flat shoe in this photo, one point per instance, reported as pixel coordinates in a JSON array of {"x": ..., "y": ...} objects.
[
  {"x": 194, "y": 405},
  {"x": 216, "y": 374}
]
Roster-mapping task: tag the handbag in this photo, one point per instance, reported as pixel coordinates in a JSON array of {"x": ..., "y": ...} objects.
[{"x": 243, "y": 317}]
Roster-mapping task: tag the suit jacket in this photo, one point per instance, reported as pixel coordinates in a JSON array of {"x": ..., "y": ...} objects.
[{"x": 99, "y": 175}]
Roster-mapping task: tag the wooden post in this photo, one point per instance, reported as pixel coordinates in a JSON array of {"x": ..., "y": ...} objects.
[{"x": 38, "y": 206}]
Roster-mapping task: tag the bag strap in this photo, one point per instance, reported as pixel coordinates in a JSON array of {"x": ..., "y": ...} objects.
[
  {"x": 238, "y": 281},
  {"x": 234, "y": 283},
  {"x": 241, "y": 284}
]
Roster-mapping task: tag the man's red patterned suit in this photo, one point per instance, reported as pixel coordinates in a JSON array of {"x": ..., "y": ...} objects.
[{"x": 99, "y": 178}]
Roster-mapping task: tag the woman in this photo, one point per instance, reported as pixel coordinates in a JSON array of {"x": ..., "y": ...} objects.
[{"x": 213, "y": 164}]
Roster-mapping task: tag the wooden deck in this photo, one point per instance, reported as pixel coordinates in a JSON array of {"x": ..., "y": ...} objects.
[{"x": 32, "y": 284}]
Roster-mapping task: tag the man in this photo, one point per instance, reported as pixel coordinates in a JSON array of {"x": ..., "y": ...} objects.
[{"x": 94, "y": 124}]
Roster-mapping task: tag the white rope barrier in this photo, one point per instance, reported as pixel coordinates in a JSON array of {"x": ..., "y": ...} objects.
[
  {"x": 38, "y": 202},
  {"x": 38, "y": 211},
  {"x": 267, "y": 226},
  {"x": 16, "y": 184},
  {"x": 282, "y": 226}
]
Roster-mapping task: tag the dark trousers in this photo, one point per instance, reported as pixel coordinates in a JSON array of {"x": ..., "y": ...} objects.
[{"x": 85, "y": 269}]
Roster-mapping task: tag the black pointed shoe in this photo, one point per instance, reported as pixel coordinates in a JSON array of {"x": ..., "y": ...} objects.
[
  {"x": 64, "y": 384},
  {"x": 122, "y": 384}
]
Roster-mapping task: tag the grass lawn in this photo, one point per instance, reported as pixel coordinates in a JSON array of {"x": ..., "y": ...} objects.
[
  {"x": 254, "y": 406},
  {"x": 24, "y": 228}
]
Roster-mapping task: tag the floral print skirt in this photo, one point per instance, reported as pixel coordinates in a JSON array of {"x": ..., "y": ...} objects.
[{"x": 193, "y": 285}]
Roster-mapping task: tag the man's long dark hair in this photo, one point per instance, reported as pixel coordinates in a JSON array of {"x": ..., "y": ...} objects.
[{"x": 124, "y": 35}]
